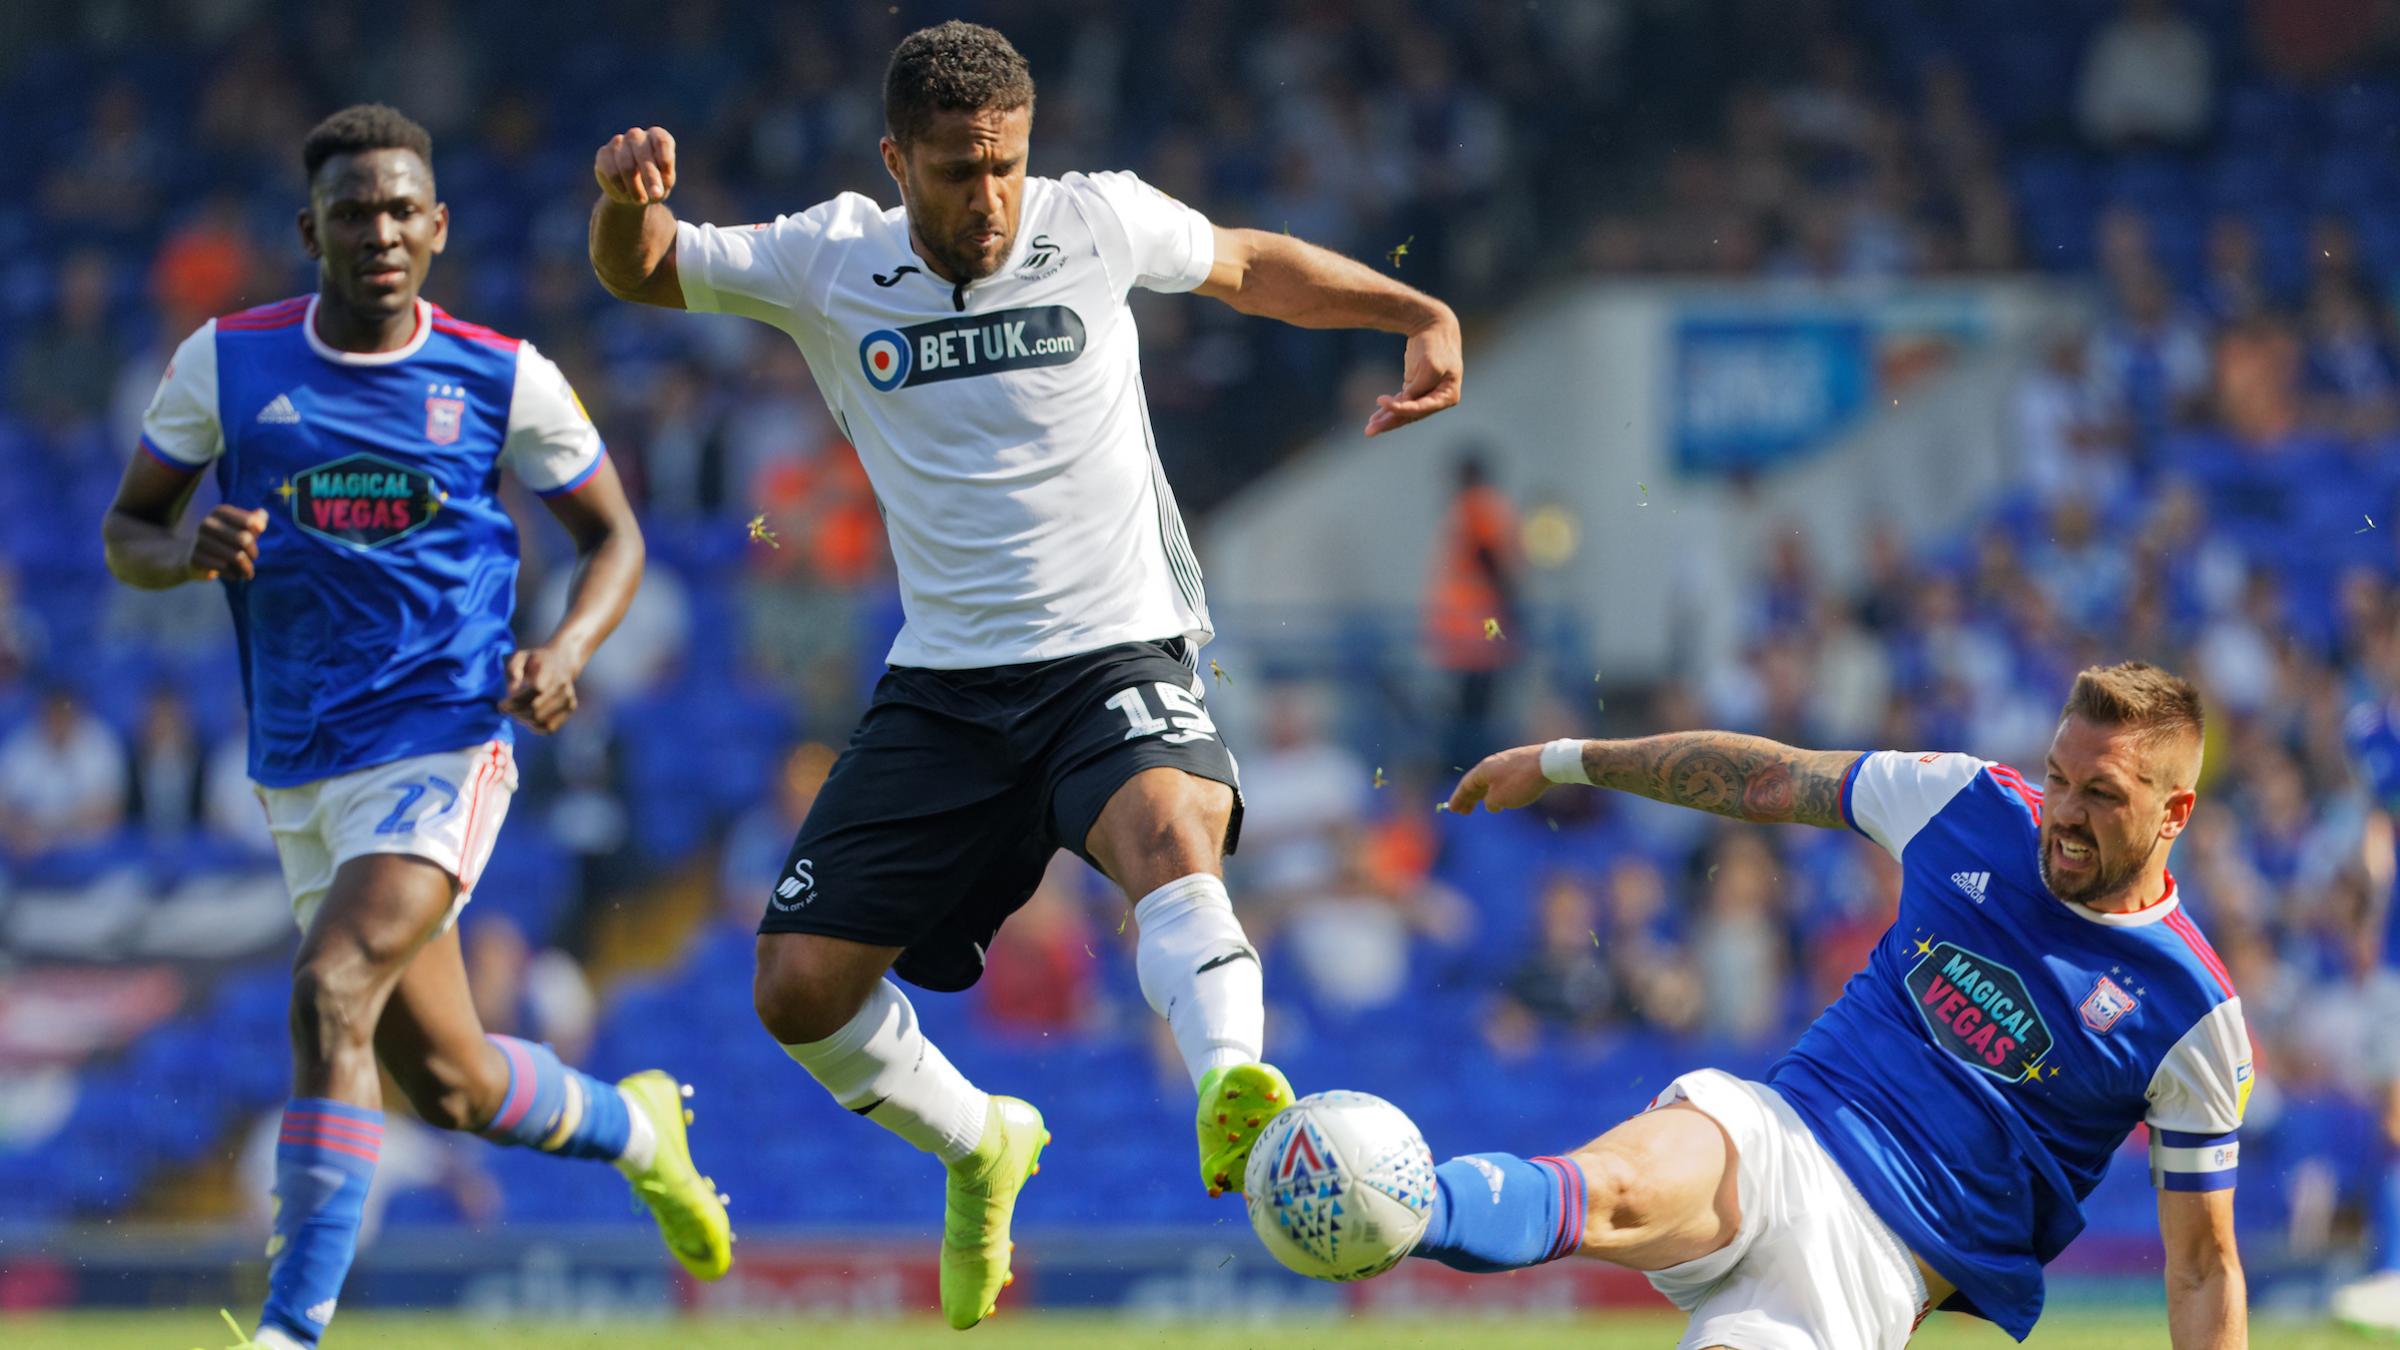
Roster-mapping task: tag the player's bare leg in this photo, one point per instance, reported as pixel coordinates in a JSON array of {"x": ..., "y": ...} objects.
[
  {"x": 459, "y": 1078},
  {"x": 827, "y": 1002},
  {"x": 1657, "y": 1191},
  {"x": 1660, "y": 1189},
  {"x": 377, "y": 913},
  {"x": 1663, "y": 1188},
  {"x": 1162, "y": 838}
]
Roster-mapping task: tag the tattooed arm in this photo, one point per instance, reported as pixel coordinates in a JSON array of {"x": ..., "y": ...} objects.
[{"x": 1746, "y": 777}]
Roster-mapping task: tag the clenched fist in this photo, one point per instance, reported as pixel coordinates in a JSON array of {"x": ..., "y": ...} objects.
[
  {"x": 637, "y": 166},
  {"x": 226, "y": 544}
]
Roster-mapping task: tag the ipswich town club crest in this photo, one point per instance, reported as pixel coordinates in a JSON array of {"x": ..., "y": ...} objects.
[
  {"x": 442, "y": 419},
  {"x": 2107, "y": 1003}
]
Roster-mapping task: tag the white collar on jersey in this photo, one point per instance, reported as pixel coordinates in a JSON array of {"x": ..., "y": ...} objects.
[
  {"x": 406, "y": 350},
  {"x": 2130, "y": 918}
]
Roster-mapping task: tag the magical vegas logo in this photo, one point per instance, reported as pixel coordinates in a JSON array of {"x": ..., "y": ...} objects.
[
  {"x": 363, "y": 501},
  {"x": 1979, "y": 1011}
]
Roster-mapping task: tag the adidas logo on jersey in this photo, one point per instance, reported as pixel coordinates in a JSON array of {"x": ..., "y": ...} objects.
[
  {"x": 280, "y": 412},
  {"x": 1973, "y": 883}
]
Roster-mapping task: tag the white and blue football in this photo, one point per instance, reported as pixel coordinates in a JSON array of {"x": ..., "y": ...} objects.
[{"x": 1339, "y": 1185}]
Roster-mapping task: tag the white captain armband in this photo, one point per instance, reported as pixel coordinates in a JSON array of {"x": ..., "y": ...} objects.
[{"x": 2182, "y": 1161}]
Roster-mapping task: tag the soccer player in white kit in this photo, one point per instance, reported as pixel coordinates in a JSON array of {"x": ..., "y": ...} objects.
[{"x": 975, "y": 345}]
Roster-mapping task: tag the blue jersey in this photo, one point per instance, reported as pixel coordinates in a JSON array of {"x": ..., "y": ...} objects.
[
  {"x": 377, "y": 626},
  {"x": 2374, "y": 744},
  {"x": 2373, "y": 739},
  {"x": 1975, "y": 1078}
]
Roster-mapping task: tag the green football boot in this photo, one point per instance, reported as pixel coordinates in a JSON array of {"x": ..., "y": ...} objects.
[
  {"x": 982, "y": 1196},
  {"x": 690, "y": 1212},
  {"x": 1236, "y": 1102}
]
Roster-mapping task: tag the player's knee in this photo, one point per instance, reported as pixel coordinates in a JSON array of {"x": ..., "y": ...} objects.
[
  {"x": 1619, "y": 1203},
  {"x": 1182, "y": 833},
  {"x": 797, "y": 1010},
  {"x": 332, "y": 1012}
]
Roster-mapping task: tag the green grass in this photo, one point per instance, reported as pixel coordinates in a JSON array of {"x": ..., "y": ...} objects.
[{"x": 1057, "y": 1331}]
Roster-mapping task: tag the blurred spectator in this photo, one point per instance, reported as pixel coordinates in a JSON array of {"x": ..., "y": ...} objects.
[
  {"x": 2233, "y": 285},
  {"x": 1038, "y": 977},
  {"x": 1471, "y": 604},
  {"x": 761, "y": 837},
  {"x": 1352, "y": 938},
  {"x": 1739, "y": 944},
  {"x": 1303, "y": 795},
  {"x": 2149, "y": 360},
  {"x": 2081, "y": 569},
  {"x": 2258, "y": 366},
  {"x": 230, "y": 807},
  {"x": 2353, "y": 383},
  {"x": 645, "y": 650},
  {"x": 1565, "y": 982},
  {"x": 66, "y": 371},
  {"x": 2146, "y": 79},
  {"x": 109, "y": 180},
  {"x": 62, "y": 778},
  {"x": 2070, "y": 447},
  {"x": 540, "y": 995},
  {"x": 166, "y": 796},
  {"x": 23, "y": 638},
  {"x": 202, "y": 269}
]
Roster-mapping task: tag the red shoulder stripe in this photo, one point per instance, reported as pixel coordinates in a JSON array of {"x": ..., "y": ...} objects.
[
  {"x": 2190, "y": 933},
  {"x": 2008, "y": 778},
  {"x": 281, "y": 314},
  {"x": 473, "y": 332}
]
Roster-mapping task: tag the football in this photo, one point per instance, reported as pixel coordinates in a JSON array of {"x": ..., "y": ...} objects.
[{"x": 1339, "y": 1186}]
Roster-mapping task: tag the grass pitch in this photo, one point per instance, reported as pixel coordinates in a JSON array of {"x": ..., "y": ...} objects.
[{"x": 1068, "y": 1331}]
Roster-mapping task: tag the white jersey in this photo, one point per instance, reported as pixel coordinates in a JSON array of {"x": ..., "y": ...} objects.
[{"x": 1002, "y": 422}]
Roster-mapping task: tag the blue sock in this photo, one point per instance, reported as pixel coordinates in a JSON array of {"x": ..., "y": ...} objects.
[
  {"x": 324, "y": 1161},
  {"x": 1497, "y": 1211},
  {"x": 2387, "y": 1217},
  {"x": 556, "y": 1109}
]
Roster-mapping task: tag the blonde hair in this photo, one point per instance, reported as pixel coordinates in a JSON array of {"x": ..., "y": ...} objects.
[{"x": 2160, "y": 708}]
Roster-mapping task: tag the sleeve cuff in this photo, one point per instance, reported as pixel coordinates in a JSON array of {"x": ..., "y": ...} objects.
[
  {"x": 160, "y": 454},
  {"x": 697, "y": 297},
  {"x": 1849, "y": 780},
  {"x": 1200, "y": 243},
  {"x": 582, "y": 476}
]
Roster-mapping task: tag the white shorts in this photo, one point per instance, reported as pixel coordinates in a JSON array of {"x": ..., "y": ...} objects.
[
  {"x": 446, "y": 807},
  {"x": 1812, "y": 1267}
]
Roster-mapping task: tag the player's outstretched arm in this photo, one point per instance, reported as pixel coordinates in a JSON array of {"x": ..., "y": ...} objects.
[
  {"x": 2208, "y": 1302},
  {"x": 633, "y": 232},
  {"x": 1278, "y": 277},
  {"x": 1745, "y": 777},
  {"x": 145, "y": 549}
]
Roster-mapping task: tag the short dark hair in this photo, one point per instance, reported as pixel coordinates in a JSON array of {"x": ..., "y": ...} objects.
[
  {"x": 364, "y": 126},
  {"x": 951, "y": 67},
  {"x": 2160, "y": 708}
]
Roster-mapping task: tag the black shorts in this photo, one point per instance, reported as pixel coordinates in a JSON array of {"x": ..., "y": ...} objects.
[{"x": 958, "y": 785}]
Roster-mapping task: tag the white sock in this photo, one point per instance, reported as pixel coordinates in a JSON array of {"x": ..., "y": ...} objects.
[
  {"x": 1200, "y": 973},
  {"x": 641, "y": 1139},
  {"x": 881, "y": 1066}
]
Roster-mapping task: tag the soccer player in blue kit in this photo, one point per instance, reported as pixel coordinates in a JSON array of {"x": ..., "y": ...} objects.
[
  {"x": 357, "y": 436},
  {"x": 2371, "y": 733},
  {"x": 1929, "y": 1141}
]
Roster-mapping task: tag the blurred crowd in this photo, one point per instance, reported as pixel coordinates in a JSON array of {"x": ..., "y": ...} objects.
[{"x": 2210, "y": 469}]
